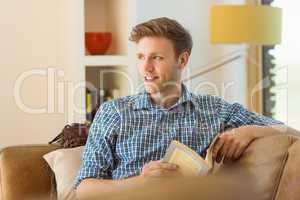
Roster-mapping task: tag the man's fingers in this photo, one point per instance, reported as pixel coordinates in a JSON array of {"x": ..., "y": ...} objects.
[
  {"x": 229, "y": 147},
  {"x": 161, "y": 165},
  {"x": 168, "y": 166},
  {"x": 157, "y": 172},
  {"x": 160, "y": 172},
  {"x": 239, "y": 153},
  {"x": 223, "y": 150},
  {"x": 231, "y": 152},
  {"x": 218, "y": 145},
  {"x": 151, "y": 165}
]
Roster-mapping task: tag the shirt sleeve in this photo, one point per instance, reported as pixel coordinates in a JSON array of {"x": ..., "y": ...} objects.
[
  {"x": 235, "y": 115},
  {"x": 98, "y": 156}
]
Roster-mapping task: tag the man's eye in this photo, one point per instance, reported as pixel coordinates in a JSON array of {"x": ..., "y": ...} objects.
[
  {"x": 157, "y": 57},
  {"x": 139, "y": 57}
]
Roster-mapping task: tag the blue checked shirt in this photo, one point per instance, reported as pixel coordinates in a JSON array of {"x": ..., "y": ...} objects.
[{"x": 129, "y": 132}]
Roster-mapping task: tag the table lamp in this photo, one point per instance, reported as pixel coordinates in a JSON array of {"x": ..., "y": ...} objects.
[
  {"x": 249, "y": 24},
  {"x": 236, "y": 24},
  {"x": 252, "y": 24}
]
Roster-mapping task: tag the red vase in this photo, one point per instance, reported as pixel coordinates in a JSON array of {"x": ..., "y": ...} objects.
[{"x": 97, "y": 43}]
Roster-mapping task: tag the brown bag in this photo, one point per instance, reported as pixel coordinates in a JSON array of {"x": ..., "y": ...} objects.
[{"x": 73, "y": 135}]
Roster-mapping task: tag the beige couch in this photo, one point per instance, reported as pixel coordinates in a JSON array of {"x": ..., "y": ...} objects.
[
  {"x": 24, "y": 174},
  {"x": 272, "y": 164}
]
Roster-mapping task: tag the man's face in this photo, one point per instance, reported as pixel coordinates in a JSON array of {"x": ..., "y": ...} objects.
[{"x": 157, "y": 64}]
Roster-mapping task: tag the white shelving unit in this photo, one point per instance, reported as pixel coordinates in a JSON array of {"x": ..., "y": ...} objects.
[
  {"x": 106, "y": 60},
  {"x": 118, "y": 17}
]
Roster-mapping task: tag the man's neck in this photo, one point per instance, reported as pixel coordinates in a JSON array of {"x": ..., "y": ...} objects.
[{"x": 167, "y": 97}]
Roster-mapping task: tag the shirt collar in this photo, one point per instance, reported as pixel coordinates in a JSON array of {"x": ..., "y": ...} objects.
[{"x": 143, "y": 100}]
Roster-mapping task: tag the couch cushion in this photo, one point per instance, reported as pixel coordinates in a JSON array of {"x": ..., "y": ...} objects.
[{"x": 65, "y": 164}]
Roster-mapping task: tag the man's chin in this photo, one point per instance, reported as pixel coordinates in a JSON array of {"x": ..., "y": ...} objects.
[{"x": 152, "y": 89}]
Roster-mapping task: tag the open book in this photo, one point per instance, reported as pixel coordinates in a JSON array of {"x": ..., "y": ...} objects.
[{"x": 190, "y": 162}]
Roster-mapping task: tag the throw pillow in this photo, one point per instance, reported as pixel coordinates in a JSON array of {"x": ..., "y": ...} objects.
[{"x": 65, "y": 164}]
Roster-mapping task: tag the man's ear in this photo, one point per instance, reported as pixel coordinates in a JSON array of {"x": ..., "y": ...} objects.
[{"x": 183, "y": 59}]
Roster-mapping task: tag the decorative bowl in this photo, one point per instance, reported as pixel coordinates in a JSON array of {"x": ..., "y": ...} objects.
[{"x": 97, "y": 43}]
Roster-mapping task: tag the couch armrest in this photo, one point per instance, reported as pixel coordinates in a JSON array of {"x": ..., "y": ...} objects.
[{"x": 24, "y": 174}]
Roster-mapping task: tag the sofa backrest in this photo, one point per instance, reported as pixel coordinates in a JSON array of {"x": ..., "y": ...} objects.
[
  {"x": 266, "y": 171},
  {"x": 289, "y": 186},
  {"x": 270, "y": 164}
]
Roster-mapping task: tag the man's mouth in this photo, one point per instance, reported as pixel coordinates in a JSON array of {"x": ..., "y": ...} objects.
[{"x": 150, "y": 78}]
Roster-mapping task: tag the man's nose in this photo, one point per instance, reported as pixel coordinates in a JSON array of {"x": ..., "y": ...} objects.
[{"x": 147, "y": 65}]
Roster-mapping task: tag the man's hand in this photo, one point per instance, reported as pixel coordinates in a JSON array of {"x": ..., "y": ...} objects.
[
  {"x": 158, "y": 169},
  {"x": 231, "y": 144}
]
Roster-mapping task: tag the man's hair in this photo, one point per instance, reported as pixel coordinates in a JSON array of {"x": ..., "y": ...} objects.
[{"x": 167, "y": 28}]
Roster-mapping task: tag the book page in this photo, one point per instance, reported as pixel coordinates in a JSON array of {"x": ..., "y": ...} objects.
[
  {"x": 188, "y": 166},
  {"x": 189, "y": 161}
]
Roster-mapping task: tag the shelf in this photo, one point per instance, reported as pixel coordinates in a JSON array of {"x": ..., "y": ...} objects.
[
  {"x": 115, "y": 70},
  {"x": 109, "y": 16},
  {"x": 106, "y": 60}
]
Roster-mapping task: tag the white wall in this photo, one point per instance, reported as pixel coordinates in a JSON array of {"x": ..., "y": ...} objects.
[
  {"x": 42, "y": 34},
  {"x": 194, "y": 15},
  {"x": 35, "y": 37}
]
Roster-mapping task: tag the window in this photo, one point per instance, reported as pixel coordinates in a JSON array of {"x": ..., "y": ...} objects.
[{"x": 282, "y": 66}]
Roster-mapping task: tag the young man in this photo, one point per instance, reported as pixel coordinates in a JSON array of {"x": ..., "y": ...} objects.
[{"x": 130, "y": 135}]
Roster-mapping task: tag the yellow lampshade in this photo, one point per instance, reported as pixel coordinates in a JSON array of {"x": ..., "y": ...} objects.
[{"x": 245, "y": 24}]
